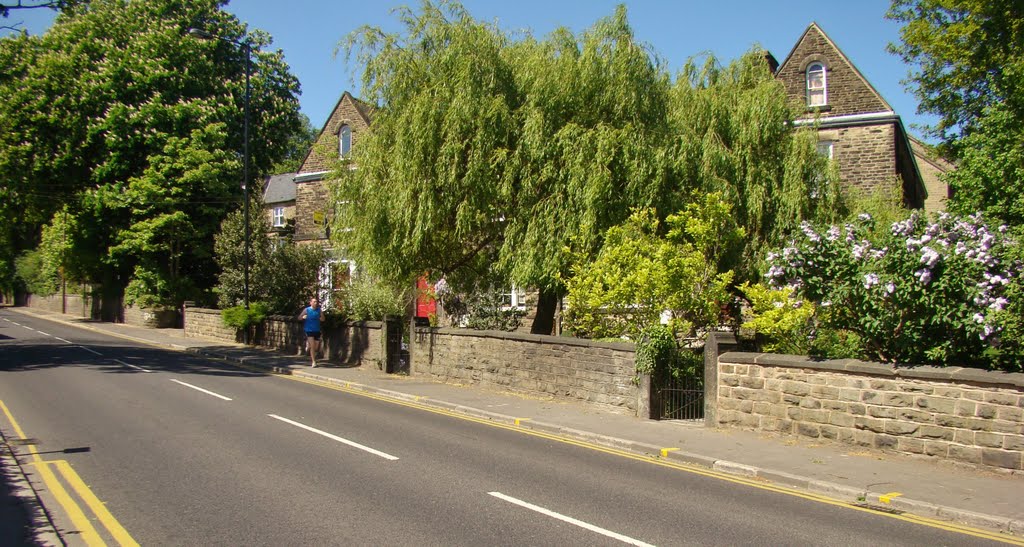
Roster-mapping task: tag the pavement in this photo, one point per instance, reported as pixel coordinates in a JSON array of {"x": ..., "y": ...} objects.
[{"x": 919, "y": 486}]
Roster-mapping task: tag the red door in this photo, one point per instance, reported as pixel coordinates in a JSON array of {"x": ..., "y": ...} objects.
[{"x": 426, "y": 304}]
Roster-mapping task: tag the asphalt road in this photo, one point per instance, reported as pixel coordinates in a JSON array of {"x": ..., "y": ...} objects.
[{"x": 184, "y": 451}]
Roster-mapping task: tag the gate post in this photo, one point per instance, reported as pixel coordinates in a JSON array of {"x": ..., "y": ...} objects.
[
  {"x": 716, "y": 343},
  {"x": 644, "y": 397}
]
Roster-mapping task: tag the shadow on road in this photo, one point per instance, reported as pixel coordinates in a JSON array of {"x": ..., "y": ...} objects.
[{"x": 113, "y": 358}]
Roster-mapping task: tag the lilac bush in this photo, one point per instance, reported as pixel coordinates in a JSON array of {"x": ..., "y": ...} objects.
[{"x": 919, "y": 291}]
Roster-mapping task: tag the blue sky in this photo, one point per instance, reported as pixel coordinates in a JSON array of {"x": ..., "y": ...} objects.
[{"x": 309, "y": 30}]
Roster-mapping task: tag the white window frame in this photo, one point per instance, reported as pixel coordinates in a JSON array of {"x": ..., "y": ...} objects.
[
  {"x": 812, "y": 91},
  {"x": 345, "y": 141},
  {"x": 278, "y": 220},
  {"x": 516, "y": 298}
]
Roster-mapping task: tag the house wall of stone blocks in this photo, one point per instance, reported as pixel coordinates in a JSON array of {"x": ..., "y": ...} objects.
[
  {"x": 312, "y": 196},
  {"x": 595, "y": 373},
  {"x": 967, "y": 415}
]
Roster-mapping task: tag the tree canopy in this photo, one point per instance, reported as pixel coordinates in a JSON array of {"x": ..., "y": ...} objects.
[
  {"x": 968, "y": 68},
  {"x": 120, "y": 114},
  {"x": 506, "y": 155}
]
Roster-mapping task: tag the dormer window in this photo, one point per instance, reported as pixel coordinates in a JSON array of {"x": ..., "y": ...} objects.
[
  {"x": 345, "y": 141},
  {"x": 817, "y": 88}
]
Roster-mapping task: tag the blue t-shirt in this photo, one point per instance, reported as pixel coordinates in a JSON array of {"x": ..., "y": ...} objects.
[{"x": 312, "y": 320}]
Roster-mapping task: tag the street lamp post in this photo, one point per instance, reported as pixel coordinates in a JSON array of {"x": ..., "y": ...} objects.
[{"x": 199, "y": 33}]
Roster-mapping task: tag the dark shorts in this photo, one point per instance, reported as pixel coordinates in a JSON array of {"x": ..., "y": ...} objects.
[{"x": 313, "y": 335}]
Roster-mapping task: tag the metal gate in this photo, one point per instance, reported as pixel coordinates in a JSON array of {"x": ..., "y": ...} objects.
[{"x": 679, "y": 396}]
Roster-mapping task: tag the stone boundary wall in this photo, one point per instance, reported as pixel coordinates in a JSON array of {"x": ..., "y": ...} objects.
[
  {"x": 152, "y": 319},
  {"x": 206, "y": 323},
  {"x": 596, "y": 373},
  {"x": 967, "y": 415},
  {"x": 348, "y": 343},
  {"x": 76, "y": 304}
]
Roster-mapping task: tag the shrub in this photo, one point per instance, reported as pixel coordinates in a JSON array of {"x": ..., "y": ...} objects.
[
  {"x": 481, "y": 309},
  {"x": 639, "y": 273},
  {"x": 367, "y": 300},
  {"x": 914, "y": 291},
  {"x": 241, "y": 319},
  {"x": 31, "y": 270}
]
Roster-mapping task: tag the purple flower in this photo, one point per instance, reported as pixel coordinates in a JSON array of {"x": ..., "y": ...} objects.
[
  {"x": 929, "y": 256},
  {"x": 924, "y": 276},
  {"x": 859, "y": 249},
  {"x": 998, "y": 304},
  {"x": 870, "y": 280},
  {"x": 833, "y": 233}
]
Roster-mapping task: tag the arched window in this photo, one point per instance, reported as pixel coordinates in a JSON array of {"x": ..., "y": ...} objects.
[
  {"x": 817, "y": 88},
  {"x": 345, "y": 141}
]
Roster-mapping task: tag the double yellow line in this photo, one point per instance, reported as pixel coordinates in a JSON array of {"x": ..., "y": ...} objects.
[
  {"x": 662, "y": 461},
  {"x": 84, "y": 526}
]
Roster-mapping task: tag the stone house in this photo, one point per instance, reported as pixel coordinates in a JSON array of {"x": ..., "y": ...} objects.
[
  {"x": 279, "y": 207},
  {"x": 313, "y": 215},
  {"x": 857, "y": 128}
]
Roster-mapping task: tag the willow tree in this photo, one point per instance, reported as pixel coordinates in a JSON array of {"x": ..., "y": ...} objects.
[
  {"x": 733, "y": 133},
  {"x": 425, "y": 193},
  {"x": 491, "y": 156},
  {"x": 591, "y": 142}
]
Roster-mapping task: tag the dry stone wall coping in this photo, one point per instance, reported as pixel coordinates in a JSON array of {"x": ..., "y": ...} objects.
[
  {"x": 522, "y": 337},
  {"x": 952, "y": 374}
]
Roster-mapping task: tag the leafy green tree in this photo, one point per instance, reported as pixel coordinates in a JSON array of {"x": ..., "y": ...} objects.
[
  {"x": 426, "y": 183},
  {"x": 291, "y": 277},
  {"x": 229, "y": 250},
  {"x": 968, "y": 59},
  {"x": 968, "y": 56},
  {"x": 30, "y": 269},
  {"x": 102, "y": 115},
  {"x": 297, "y": 147},
  {"x": 642, "y": 271},
  {"x": 501, "y": 158},
  {"x": 281, "y": 278},
  {"x": 490, "y": 154},
  {"x": 733, "y": 134}
]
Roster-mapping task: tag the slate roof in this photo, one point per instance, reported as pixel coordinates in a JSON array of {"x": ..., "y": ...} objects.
[{"x": 279, "y": 188}]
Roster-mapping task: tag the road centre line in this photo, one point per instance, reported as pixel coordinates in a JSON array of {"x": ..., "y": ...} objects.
[
  {"x": 197, "y": 388},
  {"x": 335, "y": 438},
  {"x": 129, "y": 365},
  {"x": 679, "y": 466},
  {"x": 44, "y": 333},
  {"x": 62, "y": 340},
  {"x": 624, "y": 539}
]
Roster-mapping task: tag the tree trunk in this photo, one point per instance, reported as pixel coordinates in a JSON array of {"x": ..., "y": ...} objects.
[{"x": 544, "y": 321}]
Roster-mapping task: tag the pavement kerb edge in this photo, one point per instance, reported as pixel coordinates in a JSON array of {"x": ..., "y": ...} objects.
[
  {"x": 839, "y": 491},
  {"x": 40, "y": 527},
  {"x": 853, "y": 495}
]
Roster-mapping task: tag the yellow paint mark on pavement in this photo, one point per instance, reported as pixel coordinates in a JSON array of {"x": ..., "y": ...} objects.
[
  {"x": 520, "y": 420},
  {"x": 98, "y": 508},
  {"x": 81, "y": 523},
  {"x": 87, "y": 532},
  {"x": 665, "y": 451},
  {"x": 887, "y": 498},
  {"x": 689, "y": 468}
]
